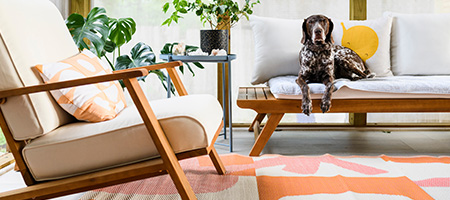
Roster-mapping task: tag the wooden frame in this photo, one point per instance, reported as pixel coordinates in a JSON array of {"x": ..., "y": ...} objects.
[
  {"x": 80, "y": 6},
  {"x": 167, "y": 163},
  {"x": 261, "y": 100}
]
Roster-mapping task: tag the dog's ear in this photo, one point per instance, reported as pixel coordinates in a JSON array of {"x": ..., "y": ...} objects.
[
  {"x": 329, "y": 37},
  {"x": 306, "y": 36}
]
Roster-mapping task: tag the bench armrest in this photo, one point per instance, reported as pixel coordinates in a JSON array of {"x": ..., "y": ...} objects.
[{"x": 72, "y": 83}]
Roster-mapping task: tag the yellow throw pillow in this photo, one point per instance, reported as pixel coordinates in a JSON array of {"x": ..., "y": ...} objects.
[
  {"x": 94, "y": 103},
  {"x": 370, "y": 39}
]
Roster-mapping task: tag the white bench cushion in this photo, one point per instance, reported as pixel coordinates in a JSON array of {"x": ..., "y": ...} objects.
[
  {"x": 285, "y": 87},
  {"x": 189, "y": 122}
]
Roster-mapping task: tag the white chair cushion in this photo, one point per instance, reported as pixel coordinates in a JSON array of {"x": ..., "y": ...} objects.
[
  {"x": 189, "y": 123},
  {"x": 420, "y": 44}
]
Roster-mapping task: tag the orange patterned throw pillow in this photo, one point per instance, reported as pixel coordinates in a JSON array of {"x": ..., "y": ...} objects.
[{"x": 94, "y": 103}]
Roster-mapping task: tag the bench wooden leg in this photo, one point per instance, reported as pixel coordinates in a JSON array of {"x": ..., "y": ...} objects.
[
  {"x": 269, "y": 128},
  {"x": 357, "y": 119},
  {"x": 258, "y": 119}
]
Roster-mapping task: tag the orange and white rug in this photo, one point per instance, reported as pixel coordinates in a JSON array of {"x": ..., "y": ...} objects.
[{"x": 299, "y": 177}]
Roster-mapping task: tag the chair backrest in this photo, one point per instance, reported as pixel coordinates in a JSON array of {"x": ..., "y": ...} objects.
[{"x": 31, "y": 32}]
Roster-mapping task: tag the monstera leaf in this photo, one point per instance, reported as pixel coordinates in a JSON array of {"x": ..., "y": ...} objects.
[
  {"x": 141, "y": 55},
  {"x": 121, "y": 30},
  {"x": 89, "y": 32}
]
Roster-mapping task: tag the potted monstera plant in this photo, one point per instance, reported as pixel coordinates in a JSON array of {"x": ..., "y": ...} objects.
[
  {"x": 219, "y": 14},
  {"x": 102, "y": 35}
]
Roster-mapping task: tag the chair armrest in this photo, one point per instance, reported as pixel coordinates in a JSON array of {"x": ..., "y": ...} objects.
[
  {"x": 72, "y": 83},
  {"x": 154, "y": 67},
  {"x": 170, "y": 67}
]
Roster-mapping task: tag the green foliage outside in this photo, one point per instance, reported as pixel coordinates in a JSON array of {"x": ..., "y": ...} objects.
[
  {"x": 102, "y": 34},
  {"x": 2, "y": 142}
]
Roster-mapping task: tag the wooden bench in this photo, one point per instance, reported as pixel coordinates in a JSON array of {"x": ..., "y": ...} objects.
[{"x": 261, "y": 100}]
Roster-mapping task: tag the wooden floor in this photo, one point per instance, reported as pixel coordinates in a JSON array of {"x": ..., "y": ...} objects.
[{"x": 346, "y": 141}]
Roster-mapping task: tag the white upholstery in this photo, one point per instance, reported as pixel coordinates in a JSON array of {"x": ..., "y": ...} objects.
[
  {"x": 189, "y": 122},
  {"x": 277, "y": 43},
  {"x": 285, "y": 87},
  {"x": 420, "y": 44},
  {"x": 31, "y": 32}
]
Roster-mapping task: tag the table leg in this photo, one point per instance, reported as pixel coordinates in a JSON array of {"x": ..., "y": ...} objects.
[
  {"x": 230, "y": 107},
  {"x": 169, "y": 88},
  {"x": 224, "y": 104}
]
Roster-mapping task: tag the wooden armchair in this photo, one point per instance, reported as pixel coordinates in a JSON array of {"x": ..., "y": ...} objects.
[{"x": 58, "y": 155}]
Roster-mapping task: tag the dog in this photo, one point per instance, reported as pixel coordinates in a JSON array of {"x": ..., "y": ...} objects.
[{"x": 322, "y": 62}]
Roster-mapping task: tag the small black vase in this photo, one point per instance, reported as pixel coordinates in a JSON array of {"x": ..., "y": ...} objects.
[{"x": 213, "y": 39}]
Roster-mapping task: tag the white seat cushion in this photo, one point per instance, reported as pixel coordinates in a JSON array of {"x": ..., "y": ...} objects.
[
  {"x": 189, "y": 123},
  {"x": 393, "y": 87}
]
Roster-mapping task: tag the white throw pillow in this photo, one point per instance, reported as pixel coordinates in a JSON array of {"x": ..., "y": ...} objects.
[
  {"x": 277, "y": 44},
  {"x": 370, "y": 39},
  {"x": 420, "y": 44}
]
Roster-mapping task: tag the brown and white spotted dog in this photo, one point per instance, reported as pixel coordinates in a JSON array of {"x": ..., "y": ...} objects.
[{"x": 322, "y": 62}]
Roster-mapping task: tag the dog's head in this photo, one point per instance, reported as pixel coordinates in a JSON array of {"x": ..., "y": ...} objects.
[{"x": 317, "y": 29}]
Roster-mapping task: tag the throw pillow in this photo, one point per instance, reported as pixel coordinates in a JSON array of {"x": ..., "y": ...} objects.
[
  {"x": 277, "y": 43},
  {"x": 94, "y": 103},
  {"x": 370, "y": 39},
  {"x": 420, "y": 44}
]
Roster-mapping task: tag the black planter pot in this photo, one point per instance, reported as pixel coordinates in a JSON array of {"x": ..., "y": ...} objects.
[{"x": 213, "y": 39}]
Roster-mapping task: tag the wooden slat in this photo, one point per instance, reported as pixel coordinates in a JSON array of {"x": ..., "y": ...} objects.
[
  {"x": 251, "y": 92},
  {"x": 159, "y": 139},
  {"x": 260, "y": 93},
  {"x": 269, "y": 94},
  {"x": 242, "y": 93}
]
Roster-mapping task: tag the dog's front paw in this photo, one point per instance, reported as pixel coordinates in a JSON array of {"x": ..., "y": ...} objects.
[
  {"x": 307, "y": 108},
  {"x": 325, "y": 106}
]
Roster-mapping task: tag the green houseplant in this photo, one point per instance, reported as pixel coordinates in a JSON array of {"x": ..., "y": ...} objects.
[
  {"x": 219, "y": 14},
  {"x": 101, "y": 34}
]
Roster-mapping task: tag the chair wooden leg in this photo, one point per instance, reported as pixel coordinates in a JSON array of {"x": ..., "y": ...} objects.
[
  {"x": 180, "y": 180},
  {"x": 258, "y": 119},
  {"x": 216, "y": 161},
  {"x": 159, "y": 138},
  {"x": 267, "y": 131}
]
